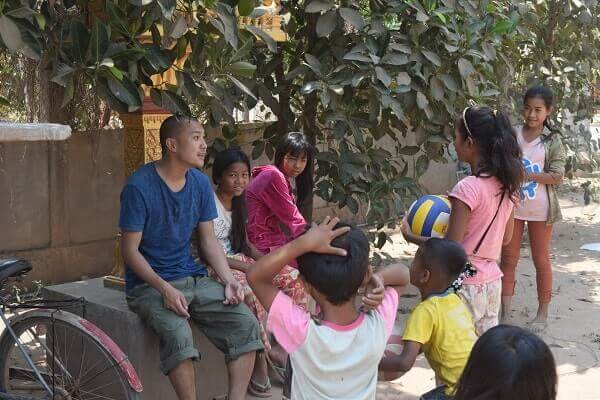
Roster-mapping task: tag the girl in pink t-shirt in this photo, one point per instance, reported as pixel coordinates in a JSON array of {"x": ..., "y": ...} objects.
[
  {"x": 482, "y": 205},
  {"x": 538, "y": 207}
]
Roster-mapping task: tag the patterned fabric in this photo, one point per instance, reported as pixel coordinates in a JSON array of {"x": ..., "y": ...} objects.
[
  {"x": 438, "y": 393},
  {"x": 287, "y": 281},
  {"x": 483, "y": 301}
]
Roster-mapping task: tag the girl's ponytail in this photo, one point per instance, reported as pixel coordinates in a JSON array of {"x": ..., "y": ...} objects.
[{"x": 499, "y": 150}]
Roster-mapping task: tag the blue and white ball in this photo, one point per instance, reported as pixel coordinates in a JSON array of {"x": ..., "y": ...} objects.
[{"x": 429, "y": 215}]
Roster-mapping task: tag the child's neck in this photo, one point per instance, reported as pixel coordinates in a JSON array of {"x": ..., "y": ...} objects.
[
  {"x": 531, "y": 133},
  {"x": 344, "y": 314},
  {"x": 428, "y": 291},
  {"x": 225, "y": 198}
]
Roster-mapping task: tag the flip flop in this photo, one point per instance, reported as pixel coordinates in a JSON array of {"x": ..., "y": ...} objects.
[
  {"x": 258, "y": 390},
  {"x": 279, "y": 371}
]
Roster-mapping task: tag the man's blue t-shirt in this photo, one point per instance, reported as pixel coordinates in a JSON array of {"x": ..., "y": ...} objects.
[{"x": 166, "y": 220}]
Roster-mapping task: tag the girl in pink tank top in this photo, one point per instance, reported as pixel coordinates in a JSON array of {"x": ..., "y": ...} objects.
[{"x": 482, "y": 205}]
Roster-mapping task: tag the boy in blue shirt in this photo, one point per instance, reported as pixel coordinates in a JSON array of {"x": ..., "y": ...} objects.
[{"x": 161, "y": 204}]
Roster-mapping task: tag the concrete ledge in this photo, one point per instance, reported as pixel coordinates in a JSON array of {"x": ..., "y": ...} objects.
[{"x": 107, "y": 308}]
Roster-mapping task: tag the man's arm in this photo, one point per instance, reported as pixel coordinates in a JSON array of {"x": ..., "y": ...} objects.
[
  {"x": 318, "y": 239},
  {"x": 211, "y": 250},
  {"x": 174, "y": 300}
]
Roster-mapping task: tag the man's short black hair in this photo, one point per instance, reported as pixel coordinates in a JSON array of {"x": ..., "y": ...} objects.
[
  {"x": 338, "y": 278},
  {"x": 171, "y": 127}
]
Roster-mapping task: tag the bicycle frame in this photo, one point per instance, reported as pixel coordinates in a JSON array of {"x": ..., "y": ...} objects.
[{"x": 38, "y": 375}]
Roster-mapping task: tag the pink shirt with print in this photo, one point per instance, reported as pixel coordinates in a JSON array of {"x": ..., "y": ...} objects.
[{"x": 482, "y": 196}]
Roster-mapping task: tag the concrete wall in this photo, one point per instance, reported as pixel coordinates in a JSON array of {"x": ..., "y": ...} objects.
[{"x": 59, "y": 201}]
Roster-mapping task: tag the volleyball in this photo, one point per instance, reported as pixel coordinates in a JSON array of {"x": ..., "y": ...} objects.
[
  {"x": 392, "y": 348},
  {"x": 429, "y": 215}
]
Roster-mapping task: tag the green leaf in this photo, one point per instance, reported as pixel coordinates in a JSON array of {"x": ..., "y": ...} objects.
[
  {"x": 41, "y": 20},
  {"x": 433, "y": 57},
  {"x": 243, "y": 68},
  {"x": 68, "y": 93},
  {"x": 264, "y": 36},
  {"x": 140, "y": 3},
  {"x": 314, "y": 64},
  {"x": 352, "y": 204},
  {"x": 310, "y": 87},
  {"x": 403, "y": 48},
  {"x": 449, "y": 82},
  {"x": 167, "y": 7},
  {"x": 81, "y": 40},
  {"x": 227, "y": 17},
  {"x": 327, "y": 156},
  {"x": 490, "y": 93},
  {"x": 116, "y": 72},
  {"x": 403, "y": 78},
  {"x": 502, "y": 27},
  {"x": 62, "y": 74},
  {"x": 245, "y": 7},
  {"x": 20, "y": 12},
  {"x": 353, "y": 17},
  {"x": 394, "y": 59},
  {"x": 436, "y": 88},
  {"x": 4, "y": 102},
  {"x": 99, "y": 40},
  {"x": 383, "y": 76},
  {"x": 326, "y": 23},
  {"x": 317, "y": 6},
  {"x": 422, "y": 165},
  {"x": 11, "y": 35},
  {"x": 125, "y": 91},
  {"x": 409, "y": 150},
  {"x": 179, "y": 28},
  {"x": 169, "y": 101},
  {"x": 258, "y": 149},
  {"x": 242, "y": 87},
  {"x": 422, "y": 101},
  {"x": 465, "y": 67},
  {"x": 357, "y": 57}
]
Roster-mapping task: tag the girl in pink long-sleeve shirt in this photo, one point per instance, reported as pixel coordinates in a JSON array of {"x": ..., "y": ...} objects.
[{"x": 273, "y": 215}]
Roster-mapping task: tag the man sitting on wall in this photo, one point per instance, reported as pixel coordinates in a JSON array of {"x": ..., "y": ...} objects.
[{"x": 161, "y": 204}]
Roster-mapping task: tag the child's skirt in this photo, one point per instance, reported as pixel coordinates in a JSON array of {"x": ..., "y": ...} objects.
[{"x": 483, "y": 300}]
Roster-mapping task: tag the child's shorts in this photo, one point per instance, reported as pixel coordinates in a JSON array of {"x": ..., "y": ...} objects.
[
  {"x": 233, "y": 329},
  {"x": 439, "y": 393}
]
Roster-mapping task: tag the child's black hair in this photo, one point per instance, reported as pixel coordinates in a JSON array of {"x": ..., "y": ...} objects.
[
  {"x": 337, "y": 277},
  {"x": 446, "y": 256},
  {"x": 296, "y": 143},
  {"x": 508, "y": 363},
  {"x": 496, "y": 139},
  {"x": 239, "y": 214},
  {"x": 544, "y": 93}
]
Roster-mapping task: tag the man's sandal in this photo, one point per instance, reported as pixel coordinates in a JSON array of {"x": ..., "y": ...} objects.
[{"x": 258, "y": 390}]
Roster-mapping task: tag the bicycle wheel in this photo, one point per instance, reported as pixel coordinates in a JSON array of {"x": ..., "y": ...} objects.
[{"x": 81, "y": 368}]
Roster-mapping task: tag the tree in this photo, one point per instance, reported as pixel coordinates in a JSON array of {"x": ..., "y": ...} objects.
[
  {"x": 378, "y": 84},
  {"x": 116, "y": 46},
  {"x": 557, "y": 43}
]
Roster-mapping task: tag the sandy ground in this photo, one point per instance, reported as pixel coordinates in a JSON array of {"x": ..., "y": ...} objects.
[
  {"x": 573, "y": 331},
  {"x": 574, "y": 324}
]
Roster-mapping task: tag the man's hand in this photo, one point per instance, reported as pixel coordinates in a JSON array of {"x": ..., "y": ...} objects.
[
  {"x": 234, "y": 293},
  {"x": 174, "y": 300},
  {"x": 405, "y": 229},
  {"x": 374, "y": 293},
  {"x": 319, "y": 237}
]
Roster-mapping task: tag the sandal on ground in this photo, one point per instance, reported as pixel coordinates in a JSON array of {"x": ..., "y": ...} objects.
[
  {"x": 260, "y": 390},
  {"x": 280, "y": 372}
]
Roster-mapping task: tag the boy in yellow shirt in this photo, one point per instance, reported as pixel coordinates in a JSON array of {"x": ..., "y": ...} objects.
[{"x": 441, "y": 326}]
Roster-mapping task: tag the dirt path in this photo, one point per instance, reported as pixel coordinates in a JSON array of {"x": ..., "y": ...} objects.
[{"x": 574, "y": 324}]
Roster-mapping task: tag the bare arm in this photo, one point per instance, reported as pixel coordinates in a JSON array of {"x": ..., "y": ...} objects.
[
  {"x": 508, "y": 232},
  {"x": 173, "y": 298},
  {"x": 545, "y": 178},
  {"x": 459, "y": 218},
  {"x": 237, "y": 264},
  {"x": 212, "y": 251},
  {"x": 403, "y": 362}
]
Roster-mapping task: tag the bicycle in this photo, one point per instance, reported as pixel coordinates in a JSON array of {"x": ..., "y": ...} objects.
[{"x": 48, "y": 352}]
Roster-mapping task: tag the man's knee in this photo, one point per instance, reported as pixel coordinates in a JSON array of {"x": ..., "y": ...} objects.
[{"x": 176, "y": 346}]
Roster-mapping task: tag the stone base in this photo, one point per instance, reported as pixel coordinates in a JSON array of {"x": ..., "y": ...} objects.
[{"x": 107, "y": 308}]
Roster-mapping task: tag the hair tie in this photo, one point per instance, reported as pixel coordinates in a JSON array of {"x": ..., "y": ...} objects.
[
  {"x": 494, "y": 112},
  {"x": 469, "y": 271}
]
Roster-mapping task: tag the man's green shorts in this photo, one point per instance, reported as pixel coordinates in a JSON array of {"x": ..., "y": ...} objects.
[{"x": 232, "y": 329}]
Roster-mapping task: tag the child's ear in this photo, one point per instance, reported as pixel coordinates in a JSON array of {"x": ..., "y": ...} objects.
[{"x": 425, "y": 276}]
